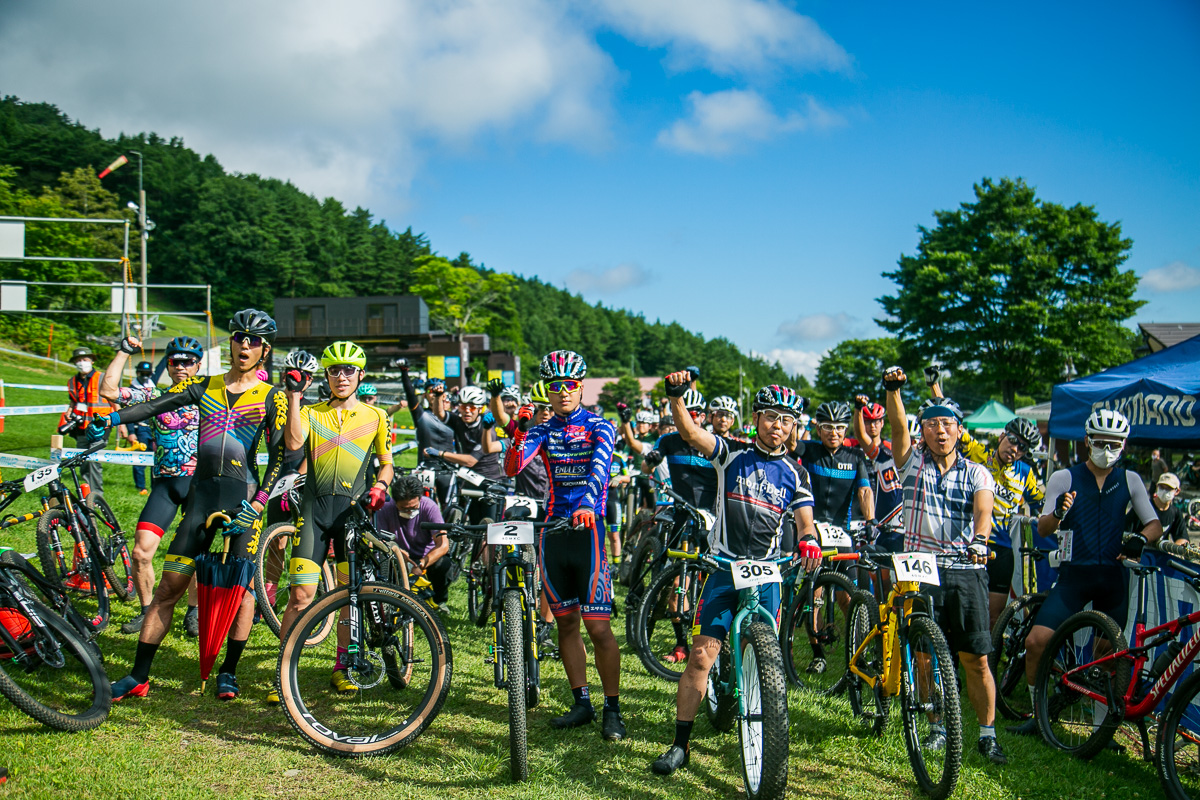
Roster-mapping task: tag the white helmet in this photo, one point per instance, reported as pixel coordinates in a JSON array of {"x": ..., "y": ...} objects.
[
  {"x": 472, "y": 396},
  {"x": 693, "y": 400},
  {"x": 1106, "y": 422},
  {"x": 303, "y": 361},
  {"x": 648, "y": 417},
  {"x": 723, "y": 403},
  {"x": 511, "y": 393}
]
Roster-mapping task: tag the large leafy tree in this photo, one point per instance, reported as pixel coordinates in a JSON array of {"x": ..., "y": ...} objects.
[
  {"x": 855, "y": 366},
  {"x": 1007, "y": 288},
  {"x": 461, "y": 299}
]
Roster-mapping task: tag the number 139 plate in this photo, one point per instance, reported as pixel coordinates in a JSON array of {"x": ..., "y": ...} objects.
[
  {"x": 754, "y": 573},
  {"x": 510, "y": 533},
  {"x": 917, "y": 567}
]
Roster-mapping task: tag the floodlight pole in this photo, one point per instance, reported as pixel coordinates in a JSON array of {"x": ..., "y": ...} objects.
[{"x": 145, "y": 237}]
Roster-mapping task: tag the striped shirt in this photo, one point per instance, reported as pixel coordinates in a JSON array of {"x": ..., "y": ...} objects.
[{"x": 939, "y": 510}]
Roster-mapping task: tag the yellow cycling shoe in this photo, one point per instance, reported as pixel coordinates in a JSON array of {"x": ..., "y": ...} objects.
[
  {"x": 341, "y": 683},
  {"x": 273, "y": 697}
]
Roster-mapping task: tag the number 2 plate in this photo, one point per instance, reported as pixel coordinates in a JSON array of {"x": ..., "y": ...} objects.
[
  {"x": 510, "y": 533},
  {"x": 917, "y": 567},
  {"x": 520, "y": 501},
  {"x": 40, "y": 477},
  {"x": 754, "y": 573}
]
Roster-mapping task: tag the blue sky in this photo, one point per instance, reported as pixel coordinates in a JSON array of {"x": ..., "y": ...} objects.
[{"x": 746, "y": 168}]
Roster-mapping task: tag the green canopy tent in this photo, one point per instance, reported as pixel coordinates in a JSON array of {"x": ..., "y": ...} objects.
[{"x": 992, "y": 416}]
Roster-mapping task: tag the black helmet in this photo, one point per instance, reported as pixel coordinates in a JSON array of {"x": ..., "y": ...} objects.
[
  {"x": 836, "y": 412},
  {"x": 144, "y": 366},
  {"x": 254, "y": 322},
  {"x": 1024, "y": 433}
]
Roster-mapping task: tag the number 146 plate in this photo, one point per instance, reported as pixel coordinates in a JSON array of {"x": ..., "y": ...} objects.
[
  {"x": 917, "y": 567},
  {"x": 754, "y": 573}
]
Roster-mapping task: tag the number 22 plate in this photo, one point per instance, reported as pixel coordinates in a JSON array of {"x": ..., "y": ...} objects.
[
  {"x": 754, "y": 573},
  {"x": 510, "y": 533},
  {"x": 917, "y": 567},
  {"x": 40, "y": 477}
]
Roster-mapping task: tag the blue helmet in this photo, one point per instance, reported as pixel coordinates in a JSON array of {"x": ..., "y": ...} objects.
[{"x": 184, "y": 345}]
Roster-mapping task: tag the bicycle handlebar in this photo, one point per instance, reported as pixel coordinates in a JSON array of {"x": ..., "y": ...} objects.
[{"x": 479, "y": 531}]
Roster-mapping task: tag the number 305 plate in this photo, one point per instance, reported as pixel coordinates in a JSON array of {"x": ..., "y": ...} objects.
[
  {"x": 917, "y": 567},
  {"x": 754, "y": 573}
]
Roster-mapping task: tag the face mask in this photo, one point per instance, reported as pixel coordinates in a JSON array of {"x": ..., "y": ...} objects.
[
  {"x": 1165, "y": 496},
  {"x": 406, "y": 514},
  {"x": 84, "y": 365},
  {"x": 1104, "y": 458}
]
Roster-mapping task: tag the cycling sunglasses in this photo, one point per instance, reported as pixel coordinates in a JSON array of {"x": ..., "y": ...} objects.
[
  {"x": 563, "y": 387},
  {"x": 247, "y": 339},
  {"x": 540, "y": 407},
  {"x": 183, "y": 361},
  {"x": 342, "y": 371},
  {"x": 829, "y": 427},
  {"x": 787, "y": 420}
]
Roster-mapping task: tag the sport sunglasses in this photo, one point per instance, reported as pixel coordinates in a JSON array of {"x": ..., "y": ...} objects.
[
  {"x": 342, "y": 371},
  {"x": 182, "y": 361},
  {"x": 563, "y": 387},
  {"x": 247, "y": 339}
]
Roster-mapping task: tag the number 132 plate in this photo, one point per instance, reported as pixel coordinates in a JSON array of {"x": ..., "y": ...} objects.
[
  {"x": 917, "y": 567},
  {"x": 754, "y": 573}
]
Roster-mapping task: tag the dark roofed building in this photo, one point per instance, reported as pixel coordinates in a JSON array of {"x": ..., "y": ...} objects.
[{"x": 1158, "y": 335}]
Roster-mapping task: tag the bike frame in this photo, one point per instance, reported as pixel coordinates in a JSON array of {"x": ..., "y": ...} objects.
[
  {"x": 511, "y": 571},
  {"x": 898, "y": 607}
]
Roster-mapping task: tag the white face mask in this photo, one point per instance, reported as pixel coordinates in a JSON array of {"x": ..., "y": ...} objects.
[
  {"x": 1165, "y": 496},
  {"x": 1103, "y": 458},
  {"x": 84, "y": 365},
  {"x": 407, "y": 513}
]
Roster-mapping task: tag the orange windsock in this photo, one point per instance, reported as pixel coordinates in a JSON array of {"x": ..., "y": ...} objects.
[{"x": 120, "y": 162}]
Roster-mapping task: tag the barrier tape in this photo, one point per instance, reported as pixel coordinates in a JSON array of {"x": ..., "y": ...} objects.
[
  {"x": 22, "y": 411},
  {"x": 125, "y": 457},
  {"x": 22, "y": 462},
  {"x": 60, "y": 388}
]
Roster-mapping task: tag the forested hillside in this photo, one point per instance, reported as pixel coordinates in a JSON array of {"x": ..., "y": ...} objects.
[{"x": 255, "y": 239}]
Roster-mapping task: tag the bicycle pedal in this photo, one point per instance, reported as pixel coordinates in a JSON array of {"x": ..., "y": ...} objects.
[{"x": 489, "y": 661}]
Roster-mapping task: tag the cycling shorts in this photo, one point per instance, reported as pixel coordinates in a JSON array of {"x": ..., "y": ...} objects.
[
  {"x": 321, "y": 519},
  {"x": 1105, "y": 587},
  {"x": 167, "y": 495},
  {"x": 960, "y": 607},
  {"x": 718, "y": 603},
  {"x": 191, "y": 538},
  {"x": 575, "y": 572},
  {"x": 1000, "y": 570}
]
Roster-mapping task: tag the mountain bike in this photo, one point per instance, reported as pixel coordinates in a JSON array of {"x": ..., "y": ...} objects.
[
  {"x": 48, "y": 669},
  {"x": 513, "y": 650},
  {"x": 895, "y": 648},
  {"x": 396, "y": 653},
  {"x": 746, "y": 685}
]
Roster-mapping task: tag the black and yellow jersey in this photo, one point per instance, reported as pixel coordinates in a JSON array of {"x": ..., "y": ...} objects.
[{"x": 1016, "y": 483}]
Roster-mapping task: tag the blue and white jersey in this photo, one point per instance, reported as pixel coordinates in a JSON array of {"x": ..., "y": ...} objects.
[{"x": 756, "y": 491}]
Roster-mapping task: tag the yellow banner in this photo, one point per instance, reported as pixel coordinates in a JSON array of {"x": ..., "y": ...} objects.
[
  {"x": 494, "y": 374},
  {"x": 436, "y": 366}
]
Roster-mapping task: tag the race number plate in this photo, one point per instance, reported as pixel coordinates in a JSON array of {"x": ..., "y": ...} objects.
[
  {"x": 40, "y": 477},
  {"x": 520, "y": 501},
  {"x": 513, "y": 533},
  {"x": 427, "y": 477},
  {"x": 470, "y": 476},
  {"x": 286, "y": 483},
  {"x": 917, "y": 567},
  {"x": 833, "y": 536},
  {"x": 754, "y": 573},
  {"x": 1066, "y": 544}
]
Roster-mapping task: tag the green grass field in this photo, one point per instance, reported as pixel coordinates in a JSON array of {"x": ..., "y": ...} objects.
[{"x": 177, "y": 743}]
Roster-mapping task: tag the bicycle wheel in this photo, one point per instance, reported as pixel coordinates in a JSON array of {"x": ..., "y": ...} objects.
[
  {"x": 870, "y": 705},
  {"x": 719, "y": 703},
  {"x": 57, "y": 550},
  {"x": 378, "y": 718},
  {"x": 665, "y": 621},
  {"x": 1007, "y": 661},
  {"x": 928, "y": 697},
  {"x": 120, "y": 573},
  {"x": 479, "y": 589},
  {"x": 397, "y": 659},
  {"x": 271, "y": 573},
  {"x": 514, "y": 679},
  {"x": 817, "y": 619},
  {"x": 763, "y": 732},
  {"x": 49, "y": 671},
  {"x": 639, "y": 529},
  {"x": 1067, "y": 719},
  {"x": 641, "y": 565},
  {"x": 1177, "y": 745}
]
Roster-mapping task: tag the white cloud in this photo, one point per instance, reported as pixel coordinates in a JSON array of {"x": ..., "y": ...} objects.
[
  {"x": 816, "y": 327},
  {"x": 607, "y": 281},
  {"x": 725, "y": 36},
  {"x": 794, "y": 362},
  {"x": 1174, "y": 277},
  {"x": 720, "y": 122}
]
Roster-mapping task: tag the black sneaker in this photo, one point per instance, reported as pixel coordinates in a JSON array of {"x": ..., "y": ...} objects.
[
  {"x": 668, "y": 762},
  {"x": 576, "y": 715},
  {"x": 613, "y": 727},
  {"x": 134, "y": 625},
  {"x": 1027, "y": 728},
  {"x": 989, "y": 748},
  {"x": 191, "y": 621}
]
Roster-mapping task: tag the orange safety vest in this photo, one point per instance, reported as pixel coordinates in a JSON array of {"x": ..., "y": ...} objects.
[{"x": 83, "y": 395}]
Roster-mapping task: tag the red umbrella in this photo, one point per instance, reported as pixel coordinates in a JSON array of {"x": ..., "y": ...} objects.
[{"x": 221, "y": 584}]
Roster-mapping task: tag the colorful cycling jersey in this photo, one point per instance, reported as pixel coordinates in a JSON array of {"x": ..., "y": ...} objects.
[
  {"x": 835, "y": 478},
  {"x": 469, "y": 438},
  {"x": 532, "y": 481},
  {"x": 1016, "y": 483},
  {"x": 232, "y": 426},
  {"x": 577, "y": 451},
  {"x": 757, "y": 490},
  {"x": 431, "y": 431},
  {"x": 175, "y": 433},
  {"x": 692, "y": 475},
  {"x": 1096, "y": 519},
  {"x": 885, "y": 483},
  {"x": 339, "y": 444}
]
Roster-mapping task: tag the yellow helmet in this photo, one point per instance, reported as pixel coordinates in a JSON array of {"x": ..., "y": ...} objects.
[
  {"x": 537, "y": 393},
  {"x": 344, "y": 353}
]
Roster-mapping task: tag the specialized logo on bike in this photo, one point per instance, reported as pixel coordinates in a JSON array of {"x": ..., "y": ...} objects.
[
  {"x": 748, "y": 573},
  {"x": 917, "y": 567},
  {"x": 833, "y": 536},
  {"x": 510, "y": 533},
  {"x": 40, "y": 477},
  {"x": 757, "y": 486}
]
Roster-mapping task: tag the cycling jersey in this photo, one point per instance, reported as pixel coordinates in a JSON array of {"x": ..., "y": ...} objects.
[
  {"x": 340, "y": 444},
  {"x": 756, "y": 491},
  {"x": 431, "y": 431},
  {"x": 175, "y": 433},
  {"x": 532, "y": 481},
  {"x": 1015, "y": 483},
  {"x": 577, "y": 451},
  {"x": 835, "y": 478},
  {"x": 469, "y": 438},
  {"x": 1097, "y": 516},
  {"x": 692, "y": 475},
  {"x": 231, "y": 426},
  {"x": 885, "y": 479}
]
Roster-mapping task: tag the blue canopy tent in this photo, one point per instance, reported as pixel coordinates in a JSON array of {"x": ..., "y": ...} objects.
[{"x": 1157, "y": 393}]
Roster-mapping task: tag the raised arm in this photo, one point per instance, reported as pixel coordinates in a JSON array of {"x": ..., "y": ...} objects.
[
  {"x": 410, "y": 394},
  {"x": 110, "y": 384},
  {"x": 185, "y": 393},
  {"x": 704, "y": 441},
  {"x": 893, "y": 379},
  {"x": 525, "y": 443}
]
